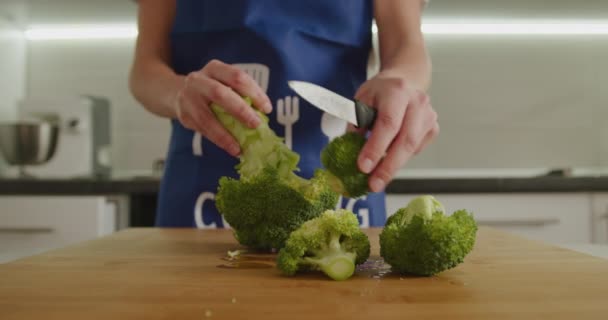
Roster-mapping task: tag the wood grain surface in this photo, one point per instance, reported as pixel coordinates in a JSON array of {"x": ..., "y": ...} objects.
[{"x": 174, "y": 274}]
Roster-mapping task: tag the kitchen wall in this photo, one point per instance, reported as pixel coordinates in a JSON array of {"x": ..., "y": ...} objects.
[
  {"x": 96, "y": 67},
  {"x": 12, "y": 64},
  {"x": 519, "y": 102},
  {"x": 503, "y": 101},
  {"x": 57, "y": 68}
]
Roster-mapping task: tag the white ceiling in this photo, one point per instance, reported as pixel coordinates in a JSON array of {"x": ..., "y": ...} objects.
[{"x": 121, "y": 11}]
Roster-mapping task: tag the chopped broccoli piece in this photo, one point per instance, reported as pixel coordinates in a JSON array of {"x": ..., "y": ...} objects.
[
  {"x": 269, "y": 200},
  {"x": 339, "y": 157},
  {"x": 420, "y": 239},
  {"x": 332, "y": 243}
]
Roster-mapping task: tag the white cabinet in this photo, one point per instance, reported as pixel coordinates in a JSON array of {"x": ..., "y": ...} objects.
[
  {"x": 558, "y": 218},
  {"x": 34, "y": 224}
]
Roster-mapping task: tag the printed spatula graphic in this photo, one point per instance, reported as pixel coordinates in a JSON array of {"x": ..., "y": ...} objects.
[{"x": 288, "y": 113}]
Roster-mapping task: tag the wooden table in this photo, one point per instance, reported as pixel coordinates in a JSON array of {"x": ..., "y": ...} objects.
[{"x": 174, "y": 274}]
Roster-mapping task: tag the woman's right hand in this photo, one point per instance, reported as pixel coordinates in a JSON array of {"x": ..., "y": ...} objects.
[{"x": 220, "y": 83}]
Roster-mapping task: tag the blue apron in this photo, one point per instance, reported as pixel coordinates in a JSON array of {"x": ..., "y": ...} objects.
[{"x": 320, "y": 41}]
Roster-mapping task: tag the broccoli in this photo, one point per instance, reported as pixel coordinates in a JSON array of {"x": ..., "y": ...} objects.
[
  {"x": 339, "y": 157},
  {"x": 332, "y": 243},
  {"x": 419, "y": 239},
  {"x": 260, "y": 147},
  {"x": 264, "y": 209},
  {"x": 269, "y": 200}
]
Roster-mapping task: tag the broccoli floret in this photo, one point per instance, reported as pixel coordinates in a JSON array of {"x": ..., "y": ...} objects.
[
  {"x": 332, "y": 243},
  {"x": 264, "y": 209},
  {"x": 269, "y": 200},
  {"x": 420, "y": 239},
  {"x": 339, "y": 157}
]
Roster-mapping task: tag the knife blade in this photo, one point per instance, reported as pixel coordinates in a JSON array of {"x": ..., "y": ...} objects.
[{"x": 353, "y": 111}]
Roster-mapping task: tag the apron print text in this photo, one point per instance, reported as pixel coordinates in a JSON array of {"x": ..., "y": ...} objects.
[{"x": 198, "y": 212}]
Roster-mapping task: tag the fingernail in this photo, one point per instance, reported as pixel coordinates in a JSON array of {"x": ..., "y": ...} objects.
[
  {"x": 268, "y": 107},
  {"x": 234, "y": 150},
  {"x": 376, "y": 184},
  {"x": 366, "y": 165},
  {"x": 254, "y": 122}
]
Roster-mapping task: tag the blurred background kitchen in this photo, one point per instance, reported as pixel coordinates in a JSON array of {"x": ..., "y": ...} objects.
[{"x": 520, "y": 88}]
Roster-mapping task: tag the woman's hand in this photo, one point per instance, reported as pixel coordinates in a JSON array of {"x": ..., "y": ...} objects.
[
  {"x": 225, "y": 85},
  {"x": 405, "y": 124}
]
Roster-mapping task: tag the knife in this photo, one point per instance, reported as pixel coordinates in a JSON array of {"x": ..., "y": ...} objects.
[{"x": 353, "y": 111}]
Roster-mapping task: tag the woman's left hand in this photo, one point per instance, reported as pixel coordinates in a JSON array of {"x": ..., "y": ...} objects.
[{"x": 406, "y": 123}]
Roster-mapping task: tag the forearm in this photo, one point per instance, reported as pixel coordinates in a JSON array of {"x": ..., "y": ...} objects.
[
  {"x": 402, "y": 48},
  {"x": 410, "y": 60},
  {"x": 152, "y": 82},
  {"x": 155, "y": 86}
]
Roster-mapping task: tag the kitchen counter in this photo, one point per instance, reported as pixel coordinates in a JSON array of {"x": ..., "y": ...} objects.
[
  {"x": 401, "y": 185},
  {"x": 79, "y": 186},
  {"x": 142, "y": 191},
  {"x": 182, "y": 274}
]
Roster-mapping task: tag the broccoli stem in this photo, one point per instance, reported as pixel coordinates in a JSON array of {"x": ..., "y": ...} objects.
[
  {"x": 334, "y": 261},
  {"x": 334, "y": 244},
  {"x": 339, "y": 268}
]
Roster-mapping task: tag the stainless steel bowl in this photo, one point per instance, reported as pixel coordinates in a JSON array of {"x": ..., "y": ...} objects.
[{"x": 28, "y": 143}]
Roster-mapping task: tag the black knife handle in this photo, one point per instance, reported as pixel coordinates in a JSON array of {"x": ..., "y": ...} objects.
[{"x": 365, "y": 115}]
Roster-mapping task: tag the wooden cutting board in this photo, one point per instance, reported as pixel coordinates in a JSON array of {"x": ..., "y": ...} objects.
[{"x": 174, "y": 274}]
